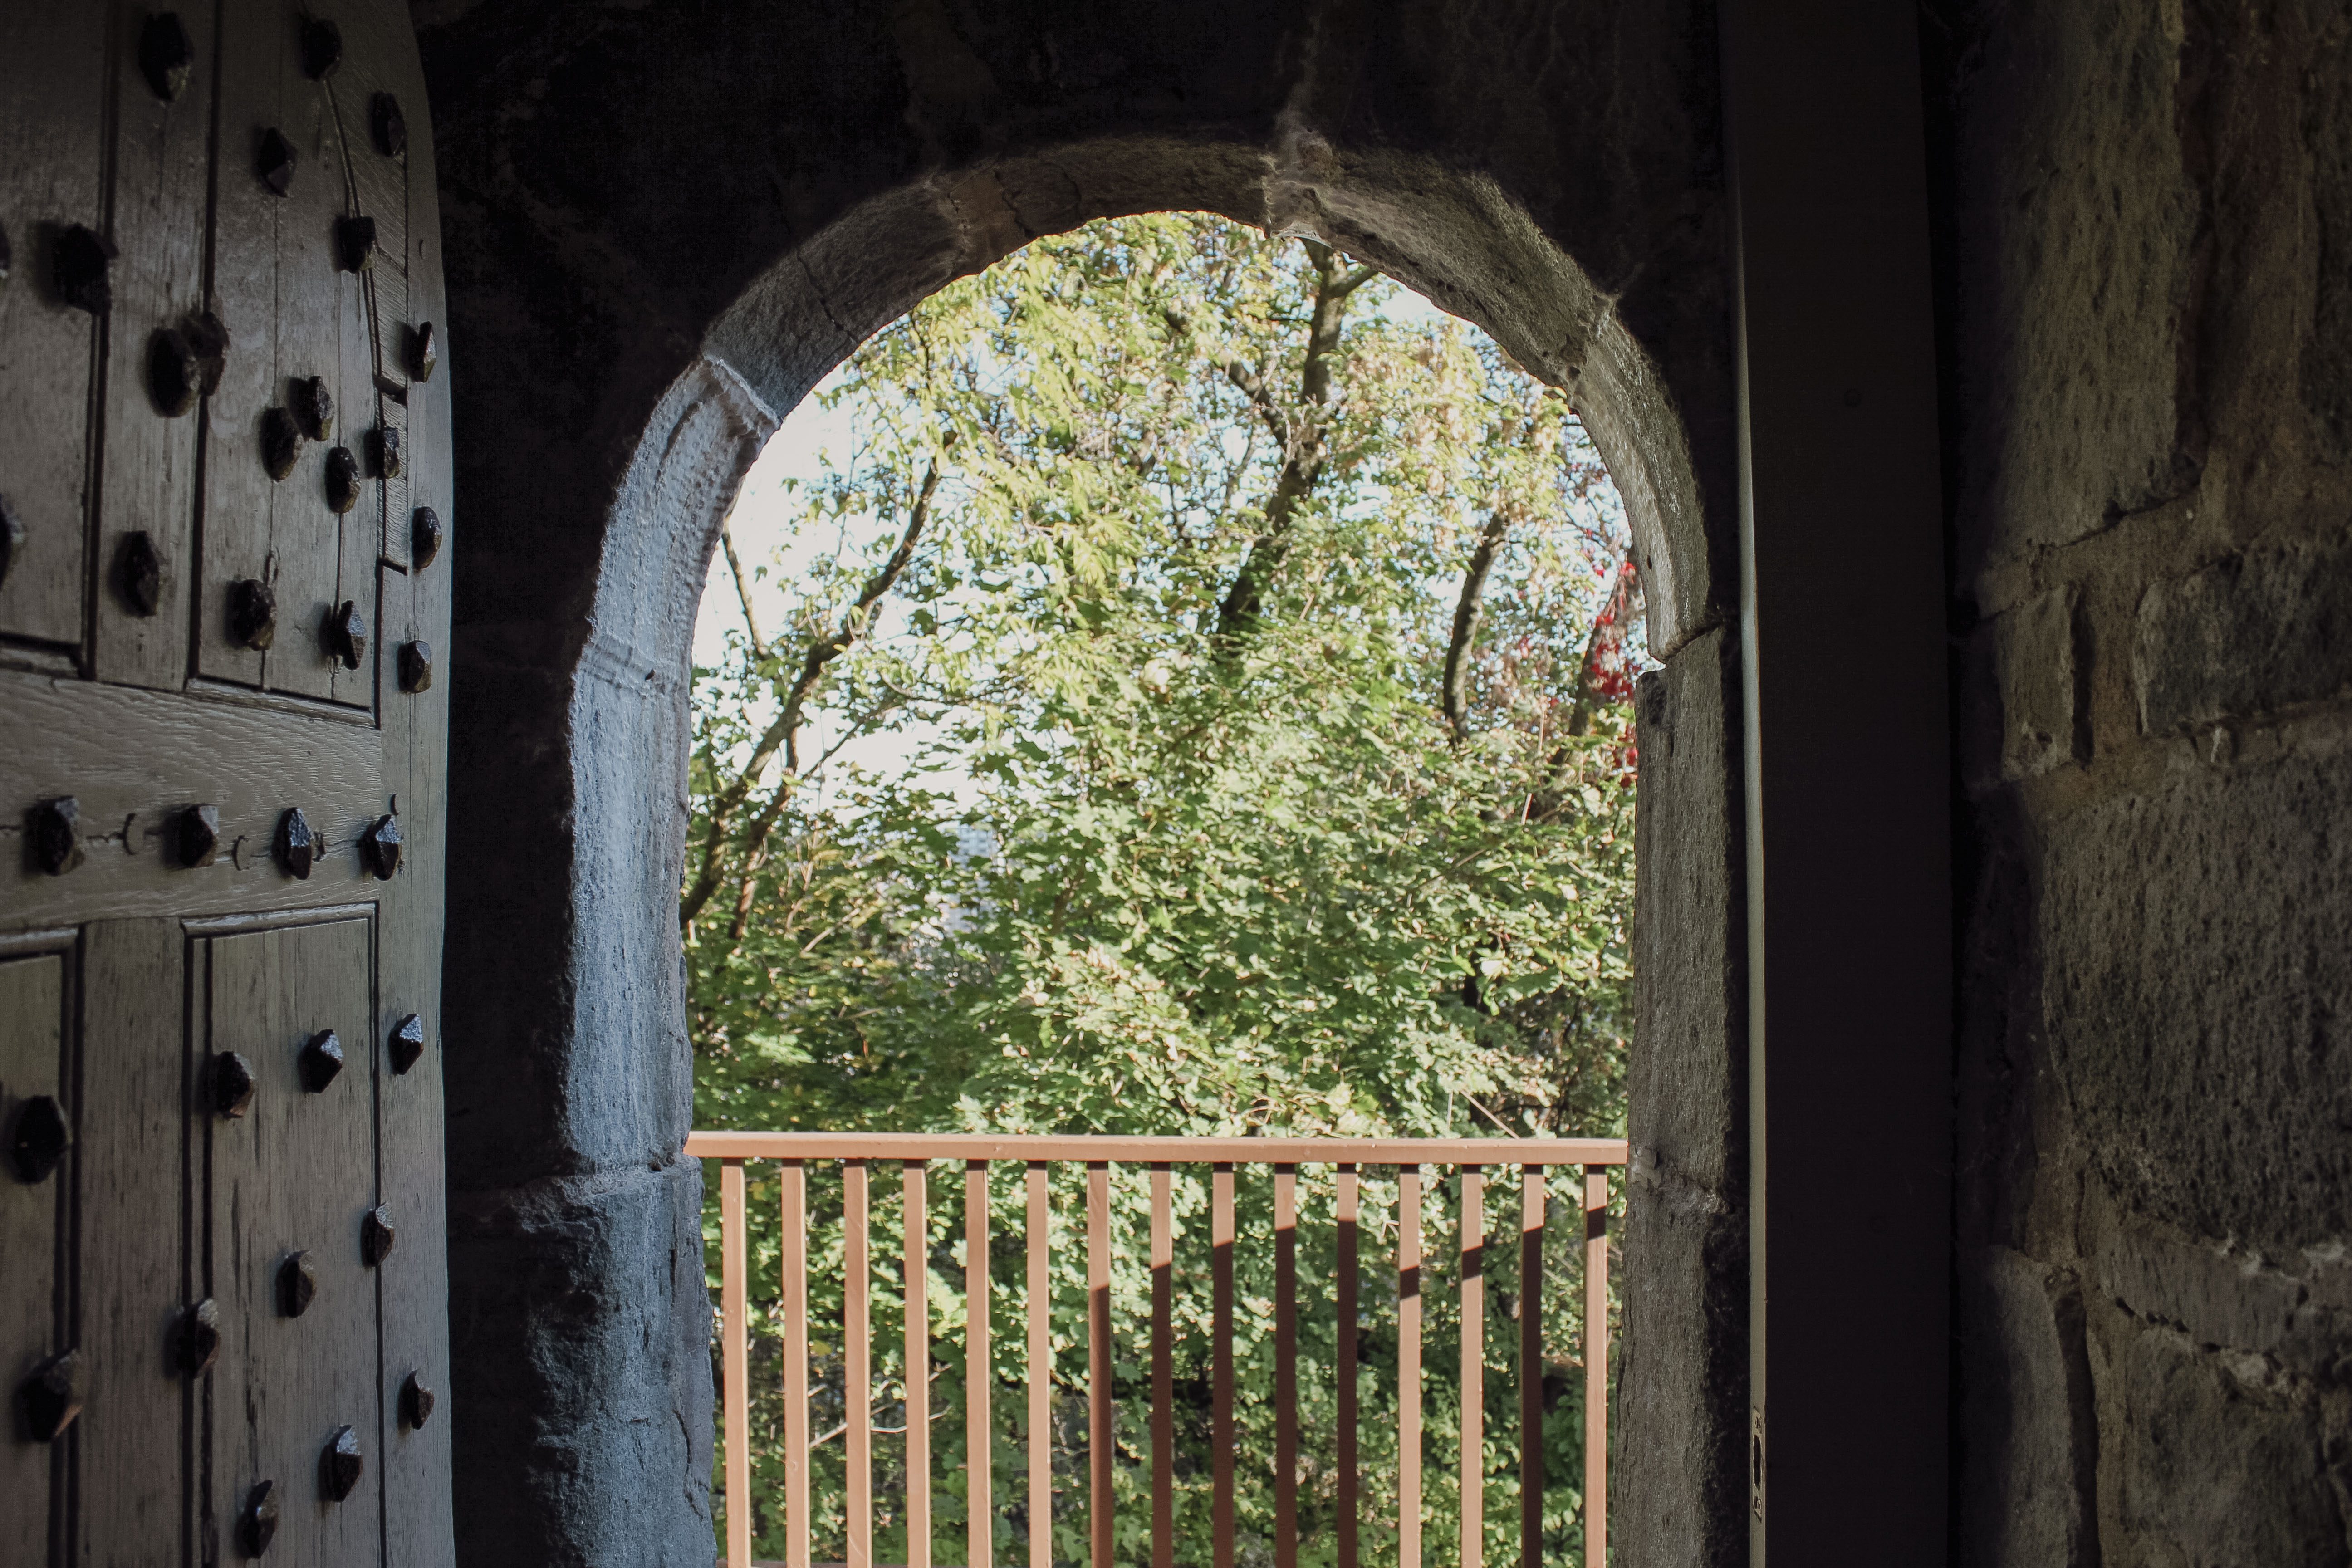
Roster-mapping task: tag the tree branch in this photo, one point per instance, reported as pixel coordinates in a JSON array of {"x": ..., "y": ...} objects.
[
  {"x": 742, "y": 588},
  {"x": 1467, "y": 609},
  {"x": 1301, "y": 435},
  {"x": 783, "y": 735}
]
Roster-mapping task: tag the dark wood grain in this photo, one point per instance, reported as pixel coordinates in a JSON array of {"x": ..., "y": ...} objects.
[
  {"x": 147, "y": 475},
  {"x": 134, "y": 1264},
  {"x": 140, "y": 757},
  {"x": 53, "y": 71},
  {"x": 32, "y": 992},
  {"x": 287, "y": 1175}
]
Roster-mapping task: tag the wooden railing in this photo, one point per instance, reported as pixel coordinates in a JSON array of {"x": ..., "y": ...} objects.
[{"x": 914, "y": 1153}]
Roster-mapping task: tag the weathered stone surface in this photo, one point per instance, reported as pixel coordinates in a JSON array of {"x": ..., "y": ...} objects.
[
  {"x": 2041, "y": 687},
  {"x": 2027, "y": 1434},
  {"x": 2194, "y": 999},
  {"x": 599, "y": 1407},
  {"x": 2212, "y": 1467},
  {"x": 2245, "y": 637},
  {"x": 1682, "y": 1399}
]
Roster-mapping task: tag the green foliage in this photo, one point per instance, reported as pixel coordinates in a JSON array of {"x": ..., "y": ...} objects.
[{"x": 1169, "y": 522}]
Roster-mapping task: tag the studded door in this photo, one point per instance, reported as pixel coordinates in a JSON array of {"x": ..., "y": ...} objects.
[{"x": 224, "y": 491}]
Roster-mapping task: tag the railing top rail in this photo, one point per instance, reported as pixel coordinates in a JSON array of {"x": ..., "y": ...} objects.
[{"x": 723, "y": 1145}]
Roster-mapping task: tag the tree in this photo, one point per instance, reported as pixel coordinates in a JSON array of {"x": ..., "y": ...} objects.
[{"x": 1255, "y": 648}]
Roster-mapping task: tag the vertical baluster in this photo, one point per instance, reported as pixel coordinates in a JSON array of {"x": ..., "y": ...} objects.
[
  {"x": 796, "y": 1364},
  {"x": 1473, "y": 1367},
  {"x": 918, "y": 1268},
  {"x": 1344, "y": 1307},
  {"x": 1531, "y": 1457},
  {"x": 1409, "y": 1366},
  {"x": 1221, "y": 1387},
  {"x": 1285, "y": 1367},
  {"x": 738, "y": 1366},
  {"x": 1163, "y": 1372},
  {"x": 1041, "y": 1376},
  {"x": 857, "y": 1353},
  {"x": 1596, "y": 1365},
  {"x": 1098, "y": 1434},
  {"x": 980, "y": 1450}
]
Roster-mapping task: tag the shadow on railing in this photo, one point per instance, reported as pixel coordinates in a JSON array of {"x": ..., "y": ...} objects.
[{"x": 795, "y": 1152}]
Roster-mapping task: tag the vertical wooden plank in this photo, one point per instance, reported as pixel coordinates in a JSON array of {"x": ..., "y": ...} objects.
[
  {"x": 736, "y": 1356},
  {"x": 1531, "y": 1455},
  {"x": 134, "y": 1267},
  {"x": 857, "y": 1351},
  {"x": 306, "y": 536},
  {"x": 32, "y": 1041},
  {"x": 242, "y": 508},
  {"x": 53, "y": 76},
  {"x": 418, "y": 1527},
  {"x": 1472, "y": 1511},
  {"x": 980, "y": 1453},
  {"x": 1285, "y": 1367},
  {"x": 296, "y": 1173},
  {"x": 1098, "y": 1370},
  {"x": 1164, "y": 1371},
  {"x": 1409, "y": 1366},
  {"x": 917, "y": 1263},
  {"x": 795, "y": 1251},
  {"x": 1347, "y": 1370},
  {"x": 157, "y": 214},
  {"x": 1221, "y": 1365},
  {"x": 1596, "y": 1365},
  {"x": 1040, "y": 1373}
]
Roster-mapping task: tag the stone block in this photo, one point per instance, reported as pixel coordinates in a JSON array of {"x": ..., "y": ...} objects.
[
  {"x": 1681, "y": 1494},
  {"x": 2244, "y": 638},
  {"x": 2214, "y": 1470},
  {"x": 2028, "y": 1430},
  {"x": 2040, "y": 672},
  {"x": 2194, "y": 972}
]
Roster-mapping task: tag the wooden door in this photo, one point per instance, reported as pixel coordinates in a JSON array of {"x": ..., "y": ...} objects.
[{"x": 224, "y": 486}]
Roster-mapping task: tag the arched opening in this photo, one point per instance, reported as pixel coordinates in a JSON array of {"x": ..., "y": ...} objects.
[
  {"x": 1189, "y": 698},
  {"x": 616, "y": 1071}
]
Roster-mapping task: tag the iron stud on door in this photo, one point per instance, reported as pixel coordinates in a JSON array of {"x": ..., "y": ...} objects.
[
  {"x": 53, "y": 835},
  {"x": 256, "y": 1521},
  {"x": 139, "y": 574},
  {"x": 415, "y": 667},
  {"x": 376, "y": 1236},
  {"x": 415, "y": 1401},
  {"x": 424, "y": 536},
  {"x": 196, "y": 1340},
  {"x": 390, "y": 125},
  {"x": 406, "y": 1045},
  {"x": 52, "y": 1397},
  {"x": 81, "y": 267},
  {"x": 322, "y": 1059},
  {"x": 198, "y": 832},
  {"x": 342, "y": 480},
  {"x": 313, "y": 407},
  {"x": 175, "y": 375},
  {"x": 252, "y": 613},
  {"x": 297, "y": 847},
  {"x": 345, "y": 634},
  {"x": 383, "y": 452},
  {"x": 354, "y": 243},
  {"x": 229, "y": 1084},
  {"x": 322, "y": 48},
  {"x": 297, "y": 1285},
  {"x": 424, "y": 351},
  {"x": 281, "y": 442},
  {"x": 38, "y": 1141},
  {"x": 166, "y": 54},
  {"x": 273, "y": 161},
  {"x": 340, "y": 1464},
  {"x": 380, "y": 844}
]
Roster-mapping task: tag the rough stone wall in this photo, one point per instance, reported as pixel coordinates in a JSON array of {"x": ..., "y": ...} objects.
[
  {"x": 2146, "y": 269},
  {"x": 664, "y": 220}
]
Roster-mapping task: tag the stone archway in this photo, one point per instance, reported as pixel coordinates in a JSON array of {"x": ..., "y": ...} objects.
[{"x": 614, "y": 376}]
